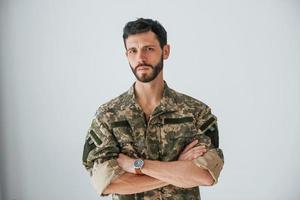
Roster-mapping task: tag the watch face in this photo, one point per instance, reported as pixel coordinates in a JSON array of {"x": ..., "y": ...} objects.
[{"x": 138, "y": 163}]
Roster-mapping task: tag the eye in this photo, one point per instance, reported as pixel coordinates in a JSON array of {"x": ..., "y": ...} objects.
[
  {"x": 149, "y": 49},
  {"x": 131, "y": 51}
]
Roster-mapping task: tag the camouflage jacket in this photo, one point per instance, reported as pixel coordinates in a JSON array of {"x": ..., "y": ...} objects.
[{"x": 120, "y": 126}]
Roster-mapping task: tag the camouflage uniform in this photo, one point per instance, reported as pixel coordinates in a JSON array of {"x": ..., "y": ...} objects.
[{"x": 120, "y": 126}]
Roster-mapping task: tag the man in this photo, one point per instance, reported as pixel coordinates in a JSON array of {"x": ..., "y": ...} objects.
[{"x": 152, "y": 142}]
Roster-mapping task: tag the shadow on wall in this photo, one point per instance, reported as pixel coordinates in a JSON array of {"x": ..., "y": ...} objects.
[
  {"x": 9, "y": 143},
  {"x": 1, "y": 136}
]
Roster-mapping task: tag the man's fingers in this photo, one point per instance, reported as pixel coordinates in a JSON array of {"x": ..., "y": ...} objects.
[
  {"x": 194, "y": 153},
  {"x": 199, "y": 147},
  {"x": 190, "y": 146},
  {"x": 194, "y": 149},
  {"x": 197, "y": 155}
]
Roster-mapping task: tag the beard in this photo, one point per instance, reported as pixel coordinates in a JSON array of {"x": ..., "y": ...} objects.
[{"x": 145, "y": 78}]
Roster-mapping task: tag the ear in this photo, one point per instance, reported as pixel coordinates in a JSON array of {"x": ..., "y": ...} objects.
[{"x": 166, "y": 51}]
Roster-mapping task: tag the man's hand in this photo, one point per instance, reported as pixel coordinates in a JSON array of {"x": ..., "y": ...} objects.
[
  {"x": 190, "y": 152},
  {"x": 126, "y": 163}
]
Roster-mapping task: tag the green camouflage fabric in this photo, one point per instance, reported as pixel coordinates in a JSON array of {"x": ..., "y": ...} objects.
[{"x": 120, "y": 126}]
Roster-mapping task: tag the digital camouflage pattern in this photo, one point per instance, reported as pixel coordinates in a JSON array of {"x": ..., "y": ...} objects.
[{"x": 120, "y": 126}]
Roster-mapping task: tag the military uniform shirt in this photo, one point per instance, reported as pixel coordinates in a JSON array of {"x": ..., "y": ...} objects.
[{"x": 120, "y": 126}]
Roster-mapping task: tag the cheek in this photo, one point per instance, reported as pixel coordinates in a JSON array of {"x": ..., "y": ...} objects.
[
  {"x": 157, "y": 60},
  {"x": 132, "y": 64},
  {"x": 131, "y": 60}
]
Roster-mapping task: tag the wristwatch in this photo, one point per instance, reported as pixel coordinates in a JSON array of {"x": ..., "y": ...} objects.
[{"x": 138, "y": 165}]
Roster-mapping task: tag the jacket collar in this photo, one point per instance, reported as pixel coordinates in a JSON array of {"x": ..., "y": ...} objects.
[{"x": 168, "y": 101}]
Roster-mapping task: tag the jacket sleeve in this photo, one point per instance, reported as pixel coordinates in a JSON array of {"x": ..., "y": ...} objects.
[
  {"x": 99, "y": 156},
  {"x": 208, "y": 135}
]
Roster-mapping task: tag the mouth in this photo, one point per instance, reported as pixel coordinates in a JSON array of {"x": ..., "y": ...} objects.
[{"x": 143, "y": 68}]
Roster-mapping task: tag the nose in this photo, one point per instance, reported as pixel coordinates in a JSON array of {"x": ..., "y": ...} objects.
[{"x": 141, "y": 58}]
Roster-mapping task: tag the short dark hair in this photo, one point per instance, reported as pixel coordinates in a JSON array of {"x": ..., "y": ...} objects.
[{"x": 142, "y": 25}]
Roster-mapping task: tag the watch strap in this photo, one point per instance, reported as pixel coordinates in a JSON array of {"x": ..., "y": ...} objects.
[{"x": 138, "y": 171}]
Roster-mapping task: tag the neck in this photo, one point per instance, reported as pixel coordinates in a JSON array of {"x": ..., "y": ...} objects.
[{"x": 148, "y": 95}]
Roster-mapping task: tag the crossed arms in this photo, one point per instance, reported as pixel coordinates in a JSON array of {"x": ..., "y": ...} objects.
[
  {"x": 182, "y": 173},
  {"x": 112, "y": 172}
]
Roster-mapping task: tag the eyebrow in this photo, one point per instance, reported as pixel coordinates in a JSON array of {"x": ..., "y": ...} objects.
[{"x": 151, "y": 45}]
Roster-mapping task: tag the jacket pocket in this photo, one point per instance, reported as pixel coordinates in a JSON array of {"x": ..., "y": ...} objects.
[
  {"x": 181, "y": 127},
  {"x": 177, "y": 133},
  {"x": 123, "y": 134}
]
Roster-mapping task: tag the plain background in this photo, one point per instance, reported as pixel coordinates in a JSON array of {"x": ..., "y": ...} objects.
[{"x": 61, "y": 59}]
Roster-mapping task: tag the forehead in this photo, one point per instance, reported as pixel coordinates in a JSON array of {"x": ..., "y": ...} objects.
[{"x": 142, "y": 39}]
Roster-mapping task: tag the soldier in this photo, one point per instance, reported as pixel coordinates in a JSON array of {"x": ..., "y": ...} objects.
[{"x": 152, "y": 142}]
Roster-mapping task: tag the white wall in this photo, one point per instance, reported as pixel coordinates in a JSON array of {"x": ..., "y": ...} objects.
[{"x": 61, "y": 59}]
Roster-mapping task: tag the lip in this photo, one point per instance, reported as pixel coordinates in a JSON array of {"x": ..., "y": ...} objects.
[{"x": 143, "y": 68}]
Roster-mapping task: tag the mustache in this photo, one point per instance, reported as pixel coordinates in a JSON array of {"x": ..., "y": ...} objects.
[{"x": 143, "y": 64}]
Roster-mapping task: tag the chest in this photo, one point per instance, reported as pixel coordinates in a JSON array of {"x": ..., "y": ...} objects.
[{"x": 160, "y": 138}]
